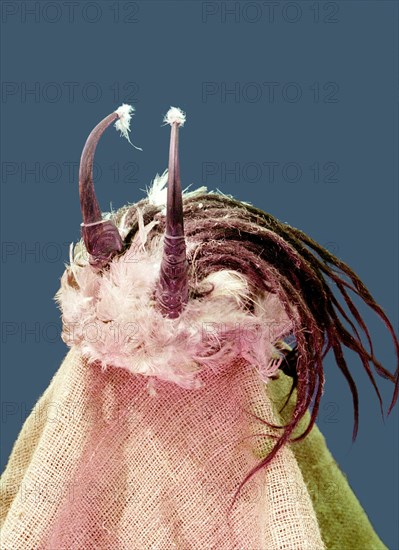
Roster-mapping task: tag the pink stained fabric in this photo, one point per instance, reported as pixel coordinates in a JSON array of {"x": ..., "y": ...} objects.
[
  {"x": 118, "y": 468},
  {"x": 162, "y": 445}
]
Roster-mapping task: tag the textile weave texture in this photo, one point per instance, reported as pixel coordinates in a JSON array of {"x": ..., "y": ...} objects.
[
  {"x": 343, "y": 522},
  {"x": 101, "y": 463}
]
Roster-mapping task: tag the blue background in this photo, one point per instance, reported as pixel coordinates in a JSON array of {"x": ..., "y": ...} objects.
[{"x": 334, "y": 114}]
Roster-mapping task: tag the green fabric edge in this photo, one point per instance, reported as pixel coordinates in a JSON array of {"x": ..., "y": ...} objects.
[{"x": 343, "y": 523}]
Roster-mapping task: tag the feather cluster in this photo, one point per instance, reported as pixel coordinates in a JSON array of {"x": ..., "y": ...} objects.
[
  {"x": 125, "y": 113},
  {"x": 111, "y": 317},
  {"x": 175, "y": 114}
]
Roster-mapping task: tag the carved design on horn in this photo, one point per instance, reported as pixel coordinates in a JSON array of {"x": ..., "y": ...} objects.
[{"x": 172, "y": 290}]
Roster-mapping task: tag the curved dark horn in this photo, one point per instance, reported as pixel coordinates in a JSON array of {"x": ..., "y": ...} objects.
[
  {"x": 101, "y": 237},
  {"x": 172, "y": 292}
]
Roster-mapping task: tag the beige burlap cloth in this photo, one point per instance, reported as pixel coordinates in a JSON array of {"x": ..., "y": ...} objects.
[{"x": 102, "y": 463}]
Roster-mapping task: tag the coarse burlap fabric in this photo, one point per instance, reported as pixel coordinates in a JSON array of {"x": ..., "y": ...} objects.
[
  {"x": 343, "y": 523},
  {"x": 102, "y": 464}
]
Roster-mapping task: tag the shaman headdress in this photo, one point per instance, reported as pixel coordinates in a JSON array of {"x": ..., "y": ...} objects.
[{"x": 186, "y": 314}]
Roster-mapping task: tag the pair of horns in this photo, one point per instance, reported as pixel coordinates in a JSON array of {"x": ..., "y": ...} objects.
[{"x": 102, "y": 238}]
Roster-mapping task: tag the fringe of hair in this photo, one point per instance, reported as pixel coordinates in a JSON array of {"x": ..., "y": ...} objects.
[{"x": 224, "y": 233}]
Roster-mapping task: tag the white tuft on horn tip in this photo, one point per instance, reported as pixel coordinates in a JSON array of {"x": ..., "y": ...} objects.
[
  {"x": 175, "y": 115},
  {"x": 125, "y": 113}
]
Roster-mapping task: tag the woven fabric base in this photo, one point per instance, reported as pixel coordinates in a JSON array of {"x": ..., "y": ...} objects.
[
  {"x": 343, "y": 522},
  {"x": 101, "y": 463}
]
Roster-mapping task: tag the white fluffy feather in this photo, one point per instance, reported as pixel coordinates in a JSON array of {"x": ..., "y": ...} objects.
[
  {"x": 125, "y": 113},
  {"x": 175, "y": 115},
  {"x": 111, "y": 318},
  {"x": 157, "y": 192}
]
